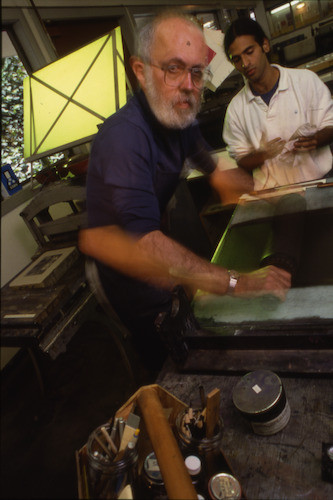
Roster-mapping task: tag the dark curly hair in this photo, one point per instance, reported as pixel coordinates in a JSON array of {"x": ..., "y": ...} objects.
[{"x": 243, "y": 26}]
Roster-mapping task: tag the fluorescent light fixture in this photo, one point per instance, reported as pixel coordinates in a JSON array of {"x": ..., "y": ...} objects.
[
  {"x": 284, "y": 6},
  {"x": 208, "y": 24},
  {"x": 65, "y": 101},
  {"x": 300, "y": 5}
]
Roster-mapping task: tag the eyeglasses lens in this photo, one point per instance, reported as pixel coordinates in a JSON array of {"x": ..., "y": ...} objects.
[{"x": 174, "y": 76}]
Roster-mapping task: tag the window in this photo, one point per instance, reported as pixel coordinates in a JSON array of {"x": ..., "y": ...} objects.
[
  {"x": 280, "y": 20},
  {"x": 305, "y": 12},
  {"x": 12, "y": 74},
  {"x": 12, "y": 150},
  {"x": 297, "y": 14},
  {"x": 326, "y": 8}
]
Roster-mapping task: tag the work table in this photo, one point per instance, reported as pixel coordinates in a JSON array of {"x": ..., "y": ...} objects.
[{"x": 285, "y": 465}]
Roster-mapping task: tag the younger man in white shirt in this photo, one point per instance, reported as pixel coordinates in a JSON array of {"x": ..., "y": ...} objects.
[{"x": 280, "y": 125}]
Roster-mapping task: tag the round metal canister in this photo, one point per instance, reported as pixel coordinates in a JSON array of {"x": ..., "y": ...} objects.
[
  {"x": 153, "y": 479},
  {"x": 261, "y": 398},
  {"x": 224, "y": 486}
]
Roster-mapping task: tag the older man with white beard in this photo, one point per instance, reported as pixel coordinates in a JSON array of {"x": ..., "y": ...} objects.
[{"x": 135, "y": 166}]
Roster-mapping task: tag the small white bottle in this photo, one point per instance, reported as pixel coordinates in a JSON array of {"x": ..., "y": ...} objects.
[{"x": 194, "y": 467}]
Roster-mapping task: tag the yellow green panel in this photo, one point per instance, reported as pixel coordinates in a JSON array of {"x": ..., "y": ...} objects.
[{"x": 65, "y": 101}]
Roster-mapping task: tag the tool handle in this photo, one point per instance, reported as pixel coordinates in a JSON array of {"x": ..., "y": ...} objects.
[
  {"x": 212, "y": 411},
  {"x": 170, "y": 460}
]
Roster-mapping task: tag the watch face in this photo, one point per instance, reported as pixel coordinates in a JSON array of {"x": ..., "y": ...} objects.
[{"x": 233, "y": 279}]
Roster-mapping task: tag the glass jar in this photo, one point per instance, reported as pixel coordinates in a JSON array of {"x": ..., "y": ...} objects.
[
  {"x": 207, "y": 449},
  {"x": 198, "y": 442},
  {"x": 108, "y": 477}
]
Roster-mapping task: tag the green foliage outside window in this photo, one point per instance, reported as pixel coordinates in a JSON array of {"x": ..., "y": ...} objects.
[{"x": 12, "y": 150}]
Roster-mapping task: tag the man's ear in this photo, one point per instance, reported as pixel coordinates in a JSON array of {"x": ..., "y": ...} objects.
[
  {"x": 266, "y": 46},
  {"x": 138, "y": 69}
]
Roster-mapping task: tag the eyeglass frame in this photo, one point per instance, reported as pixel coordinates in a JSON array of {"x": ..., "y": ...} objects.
[{"x": 205, "y": 71}]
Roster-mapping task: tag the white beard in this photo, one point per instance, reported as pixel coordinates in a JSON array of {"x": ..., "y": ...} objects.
[{"x": 165, "y": 111}]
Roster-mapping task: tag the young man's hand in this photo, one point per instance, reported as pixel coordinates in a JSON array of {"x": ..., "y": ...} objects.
[
  {"x": 273, "y": 148},
  {"x": 305, "y": 143}
]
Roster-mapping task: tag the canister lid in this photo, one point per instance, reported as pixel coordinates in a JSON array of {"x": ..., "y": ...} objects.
[
  {"x": 152, "y": 468},
  {"x": 224, "y": 486},
  {"x": 193, "y": 464},
  {"x": 257, "y": 392}
]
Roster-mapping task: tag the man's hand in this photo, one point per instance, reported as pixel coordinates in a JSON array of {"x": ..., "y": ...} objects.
[
  {"x": 306, "y": 143},
  {"x": 268, "y": 150},
  {"x": 273, "y": 148},
  {"x": 267, "y": 280}
]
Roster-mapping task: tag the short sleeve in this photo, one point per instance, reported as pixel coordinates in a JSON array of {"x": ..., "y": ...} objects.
[
  {"x": 121, "y": 179},
  {"x": 233, "y": 134}
]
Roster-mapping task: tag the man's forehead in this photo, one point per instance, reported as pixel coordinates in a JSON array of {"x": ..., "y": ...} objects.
[
  {"x": 176, "y": 37},
  {"x": 241, "y": 43}
]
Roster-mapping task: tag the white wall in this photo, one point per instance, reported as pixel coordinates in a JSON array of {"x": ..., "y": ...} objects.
[
  {"x": 17, "y": 248},
  {"x": 17, "y": 244}
]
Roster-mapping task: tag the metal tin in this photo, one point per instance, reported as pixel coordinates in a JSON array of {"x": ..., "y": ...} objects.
[
  {"x": 152, "y": 470},
  {"x": 224, "y": 486},
  {"x": 261, "y": 398},
  {"x": 153, "y": 485}
]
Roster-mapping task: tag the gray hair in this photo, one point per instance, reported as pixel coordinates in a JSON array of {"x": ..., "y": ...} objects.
[{"x": 146, "y": 35}]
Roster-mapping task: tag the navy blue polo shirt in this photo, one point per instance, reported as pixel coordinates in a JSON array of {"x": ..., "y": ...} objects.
[{"x": 134, "y": 169}]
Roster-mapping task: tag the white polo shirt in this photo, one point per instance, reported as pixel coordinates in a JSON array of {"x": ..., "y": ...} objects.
[{"x": 301, "y": 102}]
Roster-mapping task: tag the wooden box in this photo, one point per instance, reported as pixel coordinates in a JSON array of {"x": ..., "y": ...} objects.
[{"x": 158, "y": 410}]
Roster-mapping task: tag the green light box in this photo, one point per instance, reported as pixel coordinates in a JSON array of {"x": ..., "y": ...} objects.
[{"x": 65, "y": 101}]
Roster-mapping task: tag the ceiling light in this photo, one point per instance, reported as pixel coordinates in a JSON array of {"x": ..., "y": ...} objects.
[{"x": 282, "y": 7}]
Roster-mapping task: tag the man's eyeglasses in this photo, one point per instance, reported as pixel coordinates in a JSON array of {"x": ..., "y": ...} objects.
[{"x": 174, "y": 74}]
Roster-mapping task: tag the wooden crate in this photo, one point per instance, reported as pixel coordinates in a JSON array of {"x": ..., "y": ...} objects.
[
  {"x": 158, "y": 410},
  {"x": 171, "y": 407}
]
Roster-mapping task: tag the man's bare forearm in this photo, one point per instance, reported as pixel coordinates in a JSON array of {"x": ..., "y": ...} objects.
[
  {"x": 230, "y": 183},
  {"x": 154, "y": 258},
  {"x": 324, "y": 137},
  {"x": 159, "y": 260},
  {"x": 252, "y": 160},
  {"x": 184, "y": 266},
  {"x": 256, "y": 158}
]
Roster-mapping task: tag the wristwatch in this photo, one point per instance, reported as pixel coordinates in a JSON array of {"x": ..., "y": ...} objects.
[{"x": 233, "y": 280}]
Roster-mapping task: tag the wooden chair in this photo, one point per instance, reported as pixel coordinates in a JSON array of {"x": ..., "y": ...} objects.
[
  {"x": 121, "y": 335},
  {"x": 40, "y": 215},
  {"x": 53, "y": 227}
]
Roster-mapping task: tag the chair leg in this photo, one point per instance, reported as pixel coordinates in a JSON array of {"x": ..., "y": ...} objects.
[
  {"x": 37, "y": 371},
  {"x": 119, "y": 338}
]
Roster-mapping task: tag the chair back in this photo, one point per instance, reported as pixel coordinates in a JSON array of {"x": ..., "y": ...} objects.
[{"x": 56, "y": 214}]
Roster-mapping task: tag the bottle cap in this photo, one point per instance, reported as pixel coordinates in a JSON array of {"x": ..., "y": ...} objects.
[{"x": 193, "y": 464}]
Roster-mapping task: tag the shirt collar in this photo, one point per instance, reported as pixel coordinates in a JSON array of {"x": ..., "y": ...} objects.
[{"x": 283, "y": 83}]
